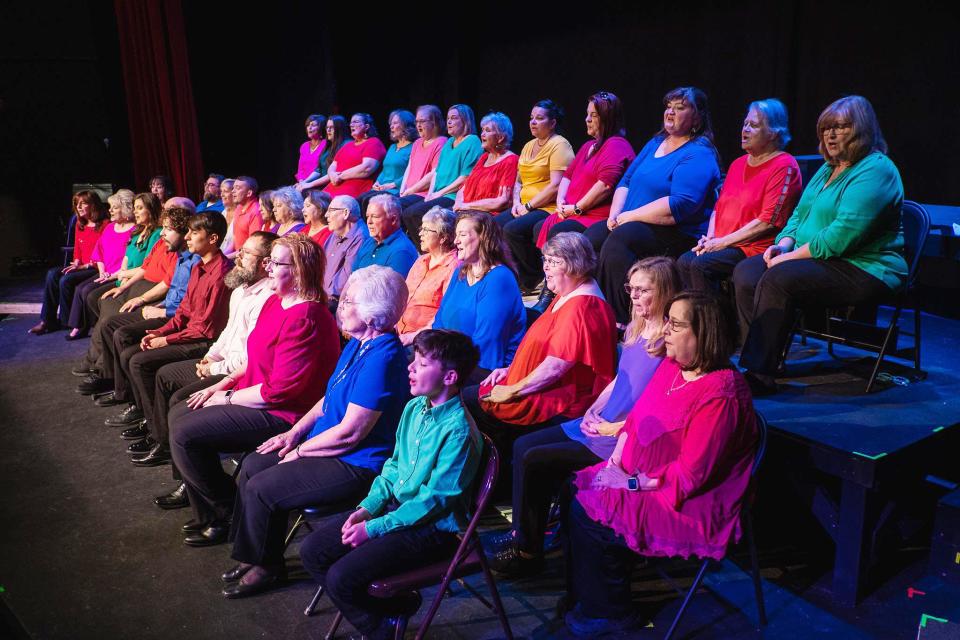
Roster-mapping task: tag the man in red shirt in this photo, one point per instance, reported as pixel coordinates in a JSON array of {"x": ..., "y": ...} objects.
[
  {"x": 201, "y": 315},
  {"x": 246, "y": 217}
]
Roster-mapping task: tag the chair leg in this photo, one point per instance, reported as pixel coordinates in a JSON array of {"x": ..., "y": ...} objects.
[
  {"x": 495, "y": 596},
  {"x": 686, "y": 600},
  {"x": 332, "y": 631},
  {"x": 401, "y": 628},
  {"x": 293, "y": 530},
  {"x": 916, "y": 337},
  {"x": 883, "y": 348},
  {"x": 755, "y": 570},
  {"x": 309, "y": 611}
]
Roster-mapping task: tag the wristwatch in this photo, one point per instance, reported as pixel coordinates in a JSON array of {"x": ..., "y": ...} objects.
[
  {"x": 577, "y": 210},
  {"x": 633, "y": 483},
  {"x": 227, "y": 395},
  {"x": 527, "y": 205}
]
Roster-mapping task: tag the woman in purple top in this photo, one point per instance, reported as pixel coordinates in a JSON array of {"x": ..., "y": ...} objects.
[
  {"x": 312, "y": 149},
  {"x": 542, "y": 460},
  {"x": 287, "y": 211},
  {"x": 107, "y": 256}
]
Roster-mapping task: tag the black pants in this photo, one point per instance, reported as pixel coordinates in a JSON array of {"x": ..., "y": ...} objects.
[
  {"x": 196, "y": 439},
  {"x": 58, "y": 292},
  {"x": 345, "y": 572},
  {"x": 542, "y": 462},
  {"x": 767, "y": 300},
  {"x": 596, "y": 233},
  {"x": 142, "y": 367},
  {"x": 79, "y": 312},
  {"x": 267, "y": 491},
  {"x": 624, "y": 246},
  {"x": 502, "y": 433},
  {"x": 123, "y": 344},
  {"x": 91, "y": 304},
  {"x": 706, "y": 271},
  {"x": 175, "y": 382},
  {"x": 414, "y": 208},
  {"x": 521, "y": 235},
  {"x": 108, "y": 309},
  {"x": 599, "y": 564}
]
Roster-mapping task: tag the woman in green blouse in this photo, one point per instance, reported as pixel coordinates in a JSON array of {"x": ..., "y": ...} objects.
[{"x": 843, "y": 245}]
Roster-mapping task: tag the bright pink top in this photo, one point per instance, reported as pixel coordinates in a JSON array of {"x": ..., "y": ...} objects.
[
  {"x": 607, "y": 165},
  {"x": 291, "y": 354},
  {"x": 350, "y": 155},
  {"x": 85, "y": 241},
  {"x": 309, "y": 159},
  {"x": 111, "y": 247},
  {"x": 768, "y": 192},
  {"x": 699, "y": 440},
  {"x": 423, "y": 160},
  {"x": 485, "y": 182}
]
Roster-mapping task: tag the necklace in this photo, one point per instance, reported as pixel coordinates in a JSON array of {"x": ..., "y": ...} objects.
[
  {"x": 356, "y": 357},
  {"x": 673, "y": 386}
]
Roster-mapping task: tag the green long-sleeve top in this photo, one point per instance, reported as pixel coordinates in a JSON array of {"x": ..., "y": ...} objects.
[
  {"x": 856, "y": 217},
  {"x": 431, "y": 471}
]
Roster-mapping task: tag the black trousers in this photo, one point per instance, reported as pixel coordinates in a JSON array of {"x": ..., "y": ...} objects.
[
  {"x": 267, "y": 491},
  {"x": 706, "y": 271},
  {"x": 542, "y": 462},
  {"x": 521, "y": 235},
  {"x": 598, "y": 564},
  {"x": 767, "y": 300},
  {"x": 413, "y": 213},
  {"x": 596, "y": 233},
  {"x": 345, "y": 572},
  {"x": 502, "y": 433},
  {"x": 123, "y": 344},
  {"x": 108, "y": 309},
  {"x": 142, "y": 367},
  {"x": 58, "y": 290},
  {"x": 91, "y": 303},
  {"x": 79, "y": 314},
  {"x": 175, "y": 382},
  {"x": 197, "y": 437},
  {"x": 625, "y": 245}
]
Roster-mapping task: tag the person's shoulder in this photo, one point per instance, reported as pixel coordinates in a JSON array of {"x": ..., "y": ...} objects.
[
  {"x": 879, "y": 163},
  {"x": 726, "y": 382}
]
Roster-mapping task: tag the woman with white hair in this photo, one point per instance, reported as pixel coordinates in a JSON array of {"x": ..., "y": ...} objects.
[
  {"x": 759, "y": 193},
  {"x": 287, "y": 211},
  {"x": 489, "y": 187},
  {"x": 331, "y": 455}
]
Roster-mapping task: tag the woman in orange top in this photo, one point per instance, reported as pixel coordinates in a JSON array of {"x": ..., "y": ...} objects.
[
  {"x": 565, "y": 359},
  {"x": 430, "y": 275}
]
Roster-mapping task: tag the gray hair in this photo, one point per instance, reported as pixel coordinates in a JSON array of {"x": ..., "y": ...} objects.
[
  {"x": 347, "y": 202},
  {"x": 123, "y": 198},
  {"x": 576, "y": 252},
  {"x": 502, "y": 124},
  {"x": 379, "y": 294},
  {"x": 774, "y": 114},
  {"x": 389, "y": 203},
  {"x": 290, "y": 197},
  {"x": 446, "y": 220}
]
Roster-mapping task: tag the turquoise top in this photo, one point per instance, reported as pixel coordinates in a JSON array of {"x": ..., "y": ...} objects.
[
  {"x": 856, "y": 218},
  {"x": 137, "y": 253},
  {"x": 394, "y": 164},
  {"x": 456, "y": 161},
  {"x": 430, "y": 472}
]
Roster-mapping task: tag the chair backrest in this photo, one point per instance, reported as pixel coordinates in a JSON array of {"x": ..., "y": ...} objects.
[
  {"x": 916, "y": 228},
  {"x": 762, "y": 429},
  {"x": 487, "y": 478}
]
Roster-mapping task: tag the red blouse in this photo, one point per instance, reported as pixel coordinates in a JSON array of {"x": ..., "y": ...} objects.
[
  {"x": 486, "y": 182},
  {"x": 351, "y": 155},
  {"x": 84, "y": 240}
]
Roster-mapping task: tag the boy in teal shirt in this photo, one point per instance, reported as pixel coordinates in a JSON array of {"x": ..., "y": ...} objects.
[{"x": 421, "y": 498}]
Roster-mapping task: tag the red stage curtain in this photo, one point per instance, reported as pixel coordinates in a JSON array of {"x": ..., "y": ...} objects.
[{"x": 156, "y": 74}]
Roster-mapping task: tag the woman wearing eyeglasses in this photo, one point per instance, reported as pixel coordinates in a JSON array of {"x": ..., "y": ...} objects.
[
  {"x": 357, "y": 162},
  {"x": 843, "y": 244},
  {"x": 429, "y": 276},
  {"x": 290, "y": 356}
]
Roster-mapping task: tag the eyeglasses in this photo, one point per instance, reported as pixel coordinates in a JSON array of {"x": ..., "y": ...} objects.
[
  {"x": 553, "y": 263},
  {"x": 428, "y": 230},
  {"x": 270, "y": 262},
  {"x": 837, "y": 127},
  {"x": 638, "y": 290},
  {"x": 675, "y": 325},
  {"x": 244, "y": 252},
  {"x": 346, "y": 302}
]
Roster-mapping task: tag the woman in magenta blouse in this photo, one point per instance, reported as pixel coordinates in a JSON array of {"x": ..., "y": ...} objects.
[
  {"x": 290, "y": 356},
  {"x": 311, "y": 150},
  {"x": 676, "y": 480},
  {"x": 489, "y": 187},
  {"x": 357, "y": 162}
]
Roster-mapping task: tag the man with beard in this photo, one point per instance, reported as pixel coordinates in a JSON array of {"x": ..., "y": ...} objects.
[
  {"x": 176, "y": 381},
  {"x": 210, "y": 201}
]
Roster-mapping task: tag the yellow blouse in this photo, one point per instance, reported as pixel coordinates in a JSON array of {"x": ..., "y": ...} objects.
[{"x": 535, "y": 166}]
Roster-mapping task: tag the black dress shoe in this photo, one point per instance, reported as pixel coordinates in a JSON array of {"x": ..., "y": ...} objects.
[
  {"x": 157, "y": 456},
  {"x": 108, "y": 400},
  {"x": 94, "y": 384},
  {"x": 137, "y": 432},
  {"x": 259, "y": 585},
  {"x": 83, "y": 370},
  {"x": 236, "y": 572},
  {"x": 511, "y": 564},
  {"x": 128, "y": 417},
  {"x": 176, "y": 499},
  {"x": 141, "y": 448},
  {"x": 214, "y": 534},
  {"x": 191, "y": 527}
]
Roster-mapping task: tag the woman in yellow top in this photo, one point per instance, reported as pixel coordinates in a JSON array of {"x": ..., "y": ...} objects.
[{"x": 542, "y": 163}]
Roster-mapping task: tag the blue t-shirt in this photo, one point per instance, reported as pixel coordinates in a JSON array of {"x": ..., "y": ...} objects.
[
  {"x": 394, "y": 164},
  {"x": 178, "y": 283},
  {"x": 207, "y": 206},
  {"x": 490, "y": 312},
  {"x": 396, "y": 252},
  {"x": 372, "y": 375},
  {"x": 689, "y": 176}
]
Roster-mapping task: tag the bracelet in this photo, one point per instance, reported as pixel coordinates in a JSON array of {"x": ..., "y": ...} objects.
[
  {"x": 299, "y": 455},
  {"x": 527, "y": 205}
]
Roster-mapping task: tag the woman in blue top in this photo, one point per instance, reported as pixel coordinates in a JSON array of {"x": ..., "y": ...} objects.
[
  {"x": 483, "y": 298},
  {"x": 457, "y": 158},
  {"x": 662, "y": 205},
  {"x": 403, "y": 131},
  {"x": 332, "y": 454}
]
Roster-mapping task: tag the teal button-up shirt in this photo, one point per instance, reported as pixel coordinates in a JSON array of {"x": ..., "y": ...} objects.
[{"x": 431, "y": 471}]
